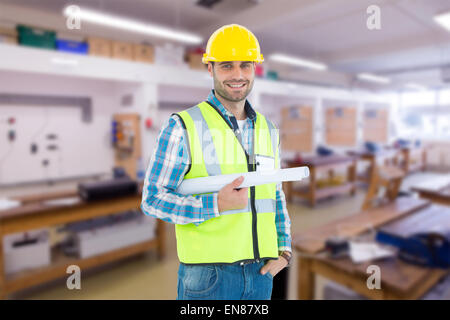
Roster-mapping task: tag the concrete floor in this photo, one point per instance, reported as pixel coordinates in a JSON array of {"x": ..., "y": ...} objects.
[{"x": 144, "y": 277}]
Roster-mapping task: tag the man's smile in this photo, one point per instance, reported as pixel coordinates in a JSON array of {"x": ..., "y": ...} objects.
[{"x": 236, "y": 86}]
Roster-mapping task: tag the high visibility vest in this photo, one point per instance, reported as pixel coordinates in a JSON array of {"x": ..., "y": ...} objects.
[{"x": 236, "y": 235}]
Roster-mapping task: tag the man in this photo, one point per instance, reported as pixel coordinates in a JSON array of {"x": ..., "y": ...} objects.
[{"x": 233, "y": 242}]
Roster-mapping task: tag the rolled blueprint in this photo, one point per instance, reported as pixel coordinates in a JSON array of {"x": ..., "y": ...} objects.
[{"x": 215, "y": 183}]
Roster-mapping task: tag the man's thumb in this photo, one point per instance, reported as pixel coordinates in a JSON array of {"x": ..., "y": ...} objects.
[{"x": 237, "y": 182}]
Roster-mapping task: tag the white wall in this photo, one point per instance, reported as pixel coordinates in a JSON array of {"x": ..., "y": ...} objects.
[{"x": 85, "y": 148}]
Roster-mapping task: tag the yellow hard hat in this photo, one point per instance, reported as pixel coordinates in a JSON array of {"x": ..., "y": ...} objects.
[{"x": 232, "y": 43}]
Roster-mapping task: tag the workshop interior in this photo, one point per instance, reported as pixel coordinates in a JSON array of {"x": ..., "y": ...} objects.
[{"x": 358, "y": 90}]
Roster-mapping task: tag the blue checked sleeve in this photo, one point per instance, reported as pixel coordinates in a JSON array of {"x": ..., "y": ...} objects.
[
  {"x": 168, "y": 165},
  {"x": 282, "y": 220}
]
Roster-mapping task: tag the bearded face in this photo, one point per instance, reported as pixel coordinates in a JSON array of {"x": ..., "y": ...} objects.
[{"x": 233, "y": 80}]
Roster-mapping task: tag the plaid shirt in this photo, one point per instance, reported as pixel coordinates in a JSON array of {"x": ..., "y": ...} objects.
[{"x": 169, "y": 164}]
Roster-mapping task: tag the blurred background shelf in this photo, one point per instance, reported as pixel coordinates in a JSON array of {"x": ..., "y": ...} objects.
[
  {"x": 36, "y": 214},
  {"x": 60, "y": 263},
  {"x": 79, "y": 103}
]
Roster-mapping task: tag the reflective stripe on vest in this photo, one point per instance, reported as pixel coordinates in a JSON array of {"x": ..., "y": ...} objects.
[
  {"x": 212, "y": 163},
  {"x": 236, "y": 235}
]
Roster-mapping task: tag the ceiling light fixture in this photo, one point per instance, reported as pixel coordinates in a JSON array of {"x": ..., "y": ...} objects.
[
  {"x": 443, "y": 20},
  {"x": 373, "y": 78},
  {"x": 279, "y": 57},
  {"x": 118, "y": 22},
  {"x": 415, "y": 86}
]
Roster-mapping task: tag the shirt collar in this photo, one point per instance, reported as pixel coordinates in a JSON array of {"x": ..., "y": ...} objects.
[{"x": 251, "y": 114}]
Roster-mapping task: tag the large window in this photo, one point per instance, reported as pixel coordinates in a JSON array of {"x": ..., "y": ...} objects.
[
  {"x": 444, "y": 97},
  {"x": 424, "y": 114},
  {"x": 418, "y": 98},
  {"x": 443, "y": 125}
]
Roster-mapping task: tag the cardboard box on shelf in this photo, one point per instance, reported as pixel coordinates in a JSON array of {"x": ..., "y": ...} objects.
[
  {"x": 122, "y": 50},
  {"x": 99, "y": 47},
  {"x": 8, "y": 39},
  {"x": 195, "y": 61},
  {"x": 5, "y": 31},
  {"x": 143, "y": 53}
]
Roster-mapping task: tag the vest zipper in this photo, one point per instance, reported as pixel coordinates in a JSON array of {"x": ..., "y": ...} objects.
[
  {"x": 250, "y": 168},
  {"x": 254, "y": 214},
  {"x": 254, "y": 225}
]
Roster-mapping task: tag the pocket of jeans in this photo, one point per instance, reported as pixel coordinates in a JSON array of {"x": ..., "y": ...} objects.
[
  {"x": 269, "y": 275},
  {"x": 200, "y": 280}
]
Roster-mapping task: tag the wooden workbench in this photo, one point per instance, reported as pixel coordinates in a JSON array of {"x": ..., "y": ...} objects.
[
  {"x": 436, "y": 190},
  {"x": 34, "y": 214},
  {"x": 319, "y": 164},
  {"x": 399, "y": 280},
  {"x": 384, "y": 156},
  {"x": 414, "y": 159},
  {"x": 387, "y": 157}
]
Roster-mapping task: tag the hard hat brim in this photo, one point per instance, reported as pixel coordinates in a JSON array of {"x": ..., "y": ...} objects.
[{"x": 207, "y": 59}]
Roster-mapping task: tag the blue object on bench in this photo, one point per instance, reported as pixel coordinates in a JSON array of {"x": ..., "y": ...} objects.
[
  {"x": 372, "y": 146},
  {"x": 403, "y": 143},
  {"x": 72, "y": 46},
  {"x": 418, "y": 143},
  {"x": 324, "y": 151},
  {"x": 430, "y": 249}
]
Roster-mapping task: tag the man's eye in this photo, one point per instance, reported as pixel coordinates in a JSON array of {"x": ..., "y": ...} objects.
[
  {"x": 247, "y": 65},
  {"x": 226, "y": 66}
]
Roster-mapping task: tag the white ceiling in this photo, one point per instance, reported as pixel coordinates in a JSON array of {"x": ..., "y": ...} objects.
[{"x": 408, "y": 46}]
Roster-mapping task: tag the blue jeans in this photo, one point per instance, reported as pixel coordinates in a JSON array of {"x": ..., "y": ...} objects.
[{"x": 224, "y": 282}]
